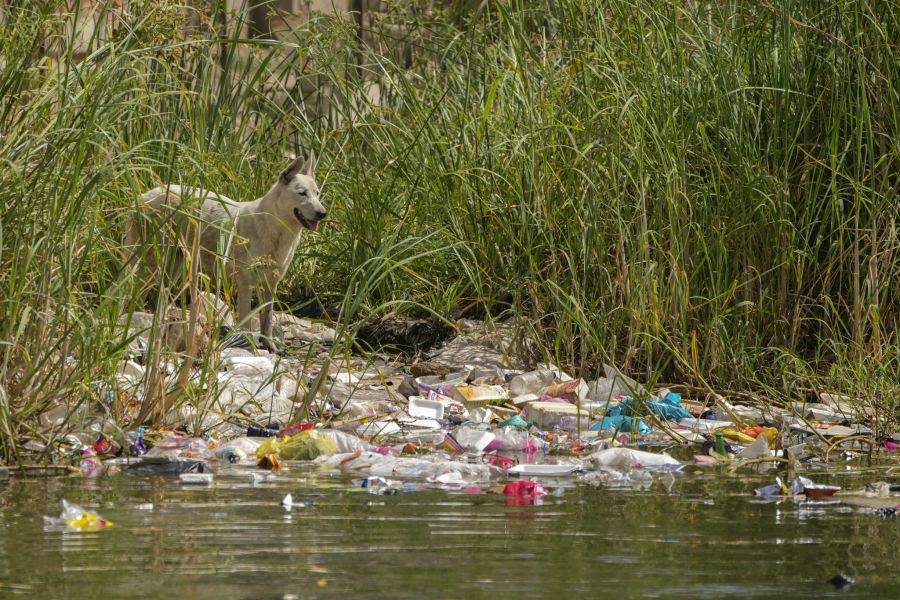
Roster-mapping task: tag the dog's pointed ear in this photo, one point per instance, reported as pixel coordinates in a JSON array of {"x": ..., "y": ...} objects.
[
  {"x": 311, "y": 163},
  {"x": 293, "y": 169}
]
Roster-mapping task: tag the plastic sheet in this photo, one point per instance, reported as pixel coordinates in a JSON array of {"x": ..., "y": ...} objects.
[
  {"x": 628, "y": 458},
  {"x": 447, "y": 472},
  {"x": 510, "y": 439},
  {"x": 176, "y": 446},
  {"x": 623, "y": 423},
  {"x": 346, "y": 442}
]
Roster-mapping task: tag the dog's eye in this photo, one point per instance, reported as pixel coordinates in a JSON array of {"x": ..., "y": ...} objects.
[{"x": 302, "y": 192}]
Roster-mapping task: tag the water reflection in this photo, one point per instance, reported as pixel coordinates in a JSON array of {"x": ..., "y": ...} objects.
[{"x": 697, "y": 535}]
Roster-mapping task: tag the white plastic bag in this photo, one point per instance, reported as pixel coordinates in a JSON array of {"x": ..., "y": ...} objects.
[{"x": 628, "y": 458}]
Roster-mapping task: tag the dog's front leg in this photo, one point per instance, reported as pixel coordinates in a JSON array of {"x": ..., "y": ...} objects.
[
  {"x": 267, "y": 285},
  {"x": 244, "y": 293}
]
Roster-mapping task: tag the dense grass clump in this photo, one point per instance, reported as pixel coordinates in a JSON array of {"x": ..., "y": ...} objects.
[{"x": 699, "y": 192}]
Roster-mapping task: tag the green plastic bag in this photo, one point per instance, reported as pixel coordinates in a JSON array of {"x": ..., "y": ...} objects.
[{"x": 515, "y": 421}]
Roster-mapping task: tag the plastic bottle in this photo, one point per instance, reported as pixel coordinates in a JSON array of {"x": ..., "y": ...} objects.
[
  {"x": 254, "y": 431},
  {"x": 136, "y": 443},
  {"x": 230, "y": 453},
  {"x": 196, "y": 478},
  {"x": 531, "y": 382},
  {"x": 512, "y": 439},
  {"x": 720, "y": 443}
]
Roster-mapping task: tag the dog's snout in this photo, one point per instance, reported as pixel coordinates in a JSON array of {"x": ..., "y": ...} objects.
[{"x": 321, "y": 214}]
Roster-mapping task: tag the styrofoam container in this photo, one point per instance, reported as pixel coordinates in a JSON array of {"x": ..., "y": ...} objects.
[
  {"x": 473, "y": 439},
  {"x": 525, "y": 399},
  {"x": 426, "y": 409},
  {"x": 546, "y": 415},
  {"x": 416, "y": 423}
]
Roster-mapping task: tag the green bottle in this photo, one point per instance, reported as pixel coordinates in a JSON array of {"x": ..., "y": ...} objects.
[{"x": 720, "y": 443}]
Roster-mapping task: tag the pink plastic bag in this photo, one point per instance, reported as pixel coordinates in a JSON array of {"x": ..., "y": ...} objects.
[
  {"x": 524, "y": 488},
  {"x": 523, "y": 493}
]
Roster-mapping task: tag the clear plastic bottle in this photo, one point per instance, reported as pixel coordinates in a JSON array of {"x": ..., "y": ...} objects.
[
  {"x": 531, "y": 382},
  {"x": 136, "y": 443},
  {"x": 230, "y": 453}
]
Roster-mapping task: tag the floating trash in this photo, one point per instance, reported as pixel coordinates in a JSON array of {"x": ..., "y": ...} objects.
[
  {"x": 196, "y": 478},
  {"x": 75, "y": 518},
  {"x": 841, "y": 582}
]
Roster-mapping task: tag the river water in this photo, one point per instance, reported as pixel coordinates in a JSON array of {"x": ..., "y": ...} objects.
[{"x": 701, "y": 534}]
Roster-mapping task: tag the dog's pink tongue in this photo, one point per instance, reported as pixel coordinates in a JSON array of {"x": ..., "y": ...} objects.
[{"x": 313, "y": 225}]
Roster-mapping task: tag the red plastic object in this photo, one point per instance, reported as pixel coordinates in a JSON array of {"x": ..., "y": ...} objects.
[
  {"x": 504, "y": 462},
  {"x": 754, "y": 431},
  {"x": 523, "y": 488},
  {"x": 289, "y": 431},
  {"x": 104, "y": 446}
]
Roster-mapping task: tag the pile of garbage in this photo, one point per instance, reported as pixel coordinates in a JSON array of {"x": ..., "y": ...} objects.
[{"x": 467, "y": 418}]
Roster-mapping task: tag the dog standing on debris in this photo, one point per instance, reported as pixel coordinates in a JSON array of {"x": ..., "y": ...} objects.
[{"x": 257, "y": 238}]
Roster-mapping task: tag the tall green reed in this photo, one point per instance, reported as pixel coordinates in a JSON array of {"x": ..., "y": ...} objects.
[{"x": 694, "y": 192}]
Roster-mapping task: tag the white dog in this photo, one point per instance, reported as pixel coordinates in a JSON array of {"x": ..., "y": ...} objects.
[{"x": 256, "y": 238}]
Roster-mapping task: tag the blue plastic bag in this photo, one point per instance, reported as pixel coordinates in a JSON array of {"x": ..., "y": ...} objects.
[{"x": 623, "y": 423}]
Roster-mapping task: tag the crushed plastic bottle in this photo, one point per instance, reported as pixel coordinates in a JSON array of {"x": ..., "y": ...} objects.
[{"x": 531, "y": 382}]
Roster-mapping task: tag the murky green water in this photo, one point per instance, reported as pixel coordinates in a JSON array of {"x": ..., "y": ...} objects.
[{"x": 706, "y": 537}]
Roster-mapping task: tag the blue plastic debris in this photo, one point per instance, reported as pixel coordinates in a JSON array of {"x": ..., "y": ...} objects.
[
  {"x": 624, "y": 424},
  {"x": 668, "y": 407}
]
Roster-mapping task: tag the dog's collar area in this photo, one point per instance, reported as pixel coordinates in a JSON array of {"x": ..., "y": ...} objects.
[{"x": 311, "y": 225}]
